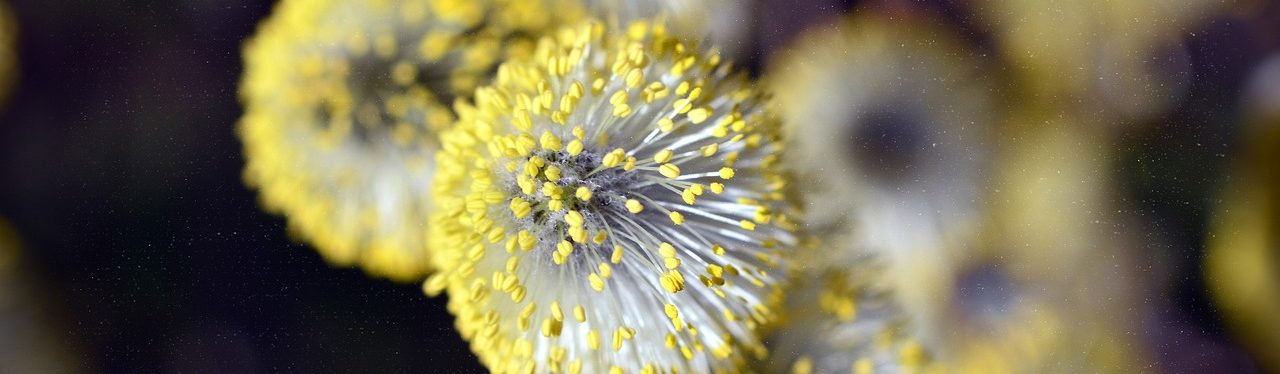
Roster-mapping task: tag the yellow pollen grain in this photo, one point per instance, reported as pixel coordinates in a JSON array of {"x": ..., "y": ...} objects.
[
  {"x": 574, "y": 218},
  {"x": 682, "y": 106},
  {"x": 634, "y": 206},
  {"x": 552, "y": 173},
  {"x": 666, "y": 125},
  {"x": 688, "y": 196},
  {"x": 676, "y": 218},
  {"x": 672, "y": 281},
  {"x": 596, "y": 283},
  {"x": 696, "y": 93},
  {"x": 593, "y": 339},
  {"x": 720, "y": 131},
  {"x": 698, "y": 116},
  {"x": 618, "y": 98},
  {"x": 526, "y": 185},
  {"x": 551, "y": 189},
  {"x": 669, "y": 170},
  {"x": 574, "y": 148},
  {"x": 512, "y": 264},
  {"x": 622, "y": 110},
  {"x": 616, "y": 257},
  {"x": 522, "y": 120},
  {"x": 726, "y": 173},
  {"x": 709, "y": 150},
  {"x": 583, "y": 193},
  {"x": 578, "y": 234},
  {"x": 526, "y": 240},
  {"x": 666, "y": 250},
  {"x": 613, "y": 158},
  {"x": 556, "y": 312},
  {"x": 682, "y": 88},
  {"x": 634, "y": 78},
  {"x": 520, "y": 207},
  {"x": 663, "y": 156},
  {"x": 551, "y": 327},
  {"x": 525, "y": 143},
  {"x": 549, "y": 141},
  {"x": 564, "y": 248}
]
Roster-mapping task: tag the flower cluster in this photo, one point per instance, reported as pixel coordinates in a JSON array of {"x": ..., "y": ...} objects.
[
  {"x": 613, "y": 204},
  {"x": 343, "y": 100},
  {"x": 614, "y": 196},
  {"x": 840, "y": 316},
  {"x": 888, "y": 128},
  {"x": 903, "y": 214}
]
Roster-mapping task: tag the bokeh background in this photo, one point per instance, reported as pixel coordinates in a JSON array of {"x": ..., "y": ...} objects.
[{"x": 120, "y": 170}]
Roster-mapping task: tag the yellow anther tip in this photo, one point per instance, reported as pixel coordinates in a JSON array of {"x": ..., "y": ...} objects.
[
  {"x": 669, "y": 170},
  {"x": 634, "y": 206}
]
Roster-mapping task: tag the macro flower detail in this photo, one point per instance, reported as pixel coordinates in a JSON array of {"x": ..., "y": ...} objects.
[
  {"x": 835, "y": 325},
  {"x": 342, "y": 103},
  {"x": 839, "y": 317},
  {"x": 613, "y": 204},
  {"x": 718, "y": 22}
]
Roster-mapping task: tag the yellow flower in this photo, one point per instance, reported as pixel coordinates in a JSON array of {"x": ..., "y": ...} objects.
[
  {"x": 543, "y": 277},
  {"x": 888, "y": 122},
  {"x": 1123, "y": 57},
  {"x": 343, "y": 100},
  {"x": 1242, "y": 265},
  {"x": 839, "y": 317},
  {"x": 891, "y": 125}
]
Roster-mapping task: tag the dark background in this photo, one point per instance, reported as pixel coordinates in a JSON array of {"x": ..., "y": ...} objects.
[{"x": 119, "y": 167}]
